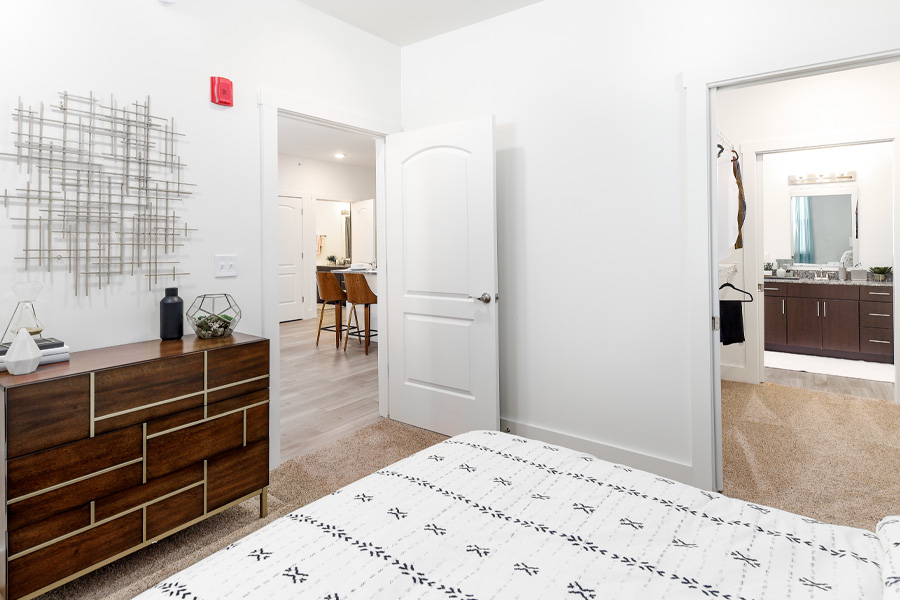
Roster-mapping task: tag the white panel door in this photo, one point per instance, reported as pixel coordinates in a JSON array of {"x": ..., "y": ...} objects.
[
  {"x": 442, "y": 260},
  {"x": 290, "y": 258},
  {"x": 362, "y": 231}
]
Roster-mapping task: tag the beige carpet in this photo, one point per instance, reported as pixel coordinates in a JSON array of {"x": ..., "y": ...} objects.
[
  {"x": 293, "y": 484},
  {"x": 831, "y": 457}
]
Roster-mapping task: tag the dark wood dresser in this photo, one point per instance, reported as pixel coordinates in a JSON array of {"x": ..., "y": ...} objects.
[{"x": 123, "y": 446}]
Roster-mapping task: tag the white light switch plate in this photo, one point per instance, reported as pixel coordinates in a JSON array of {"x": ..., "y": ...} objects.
[{"x": 226, "y": 265}]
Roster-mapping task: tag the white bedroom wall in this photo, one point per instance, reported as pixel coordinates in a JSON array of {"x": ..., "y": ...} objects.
[
  {"x": 591, "y": 124},
  {"x": 325, "y": 179},
  {"x": 140, "y": 48}
]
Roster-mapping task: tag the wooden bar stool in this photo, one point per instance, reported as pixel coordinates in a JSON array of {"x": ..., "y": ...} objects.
[
  {"x": 359, "y": 292},
  {"x": 330, "y": 291}
]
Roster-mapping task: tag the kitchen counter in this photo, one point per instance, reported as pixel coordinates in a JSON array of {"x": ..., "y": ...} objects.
[
  {"x": 363, "y": 271},
  {"x": 824, "y": 282}
]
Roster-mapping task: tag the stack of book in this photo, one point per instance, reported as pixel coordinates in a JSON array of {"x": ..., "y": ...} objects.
[{"x": 52, "y": 349}]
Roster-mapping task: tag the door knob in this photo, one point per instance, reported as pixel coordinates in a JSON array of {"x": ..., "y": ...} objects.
[{"x": 485, "y": 297}]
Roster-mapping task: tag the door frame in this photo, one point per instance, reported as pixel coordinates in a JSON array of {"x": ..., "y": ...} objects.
[
  {"x": 752, "y": 171},
  {"x": 271, "y": 103},
  {"x": 700, "y": 120}
]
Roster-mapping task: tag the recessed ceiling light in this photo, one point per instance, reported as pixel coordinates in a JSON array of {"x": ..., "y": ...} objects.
[{"x": 339, "y": 155}]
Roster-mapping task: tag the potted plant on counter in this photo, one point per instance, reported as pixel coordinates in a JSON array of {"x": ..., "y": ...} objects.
[
  {"x": 881, "y": 273},
  {"x": 768, "y": 269},
  {"x": 332, "y": 259}
]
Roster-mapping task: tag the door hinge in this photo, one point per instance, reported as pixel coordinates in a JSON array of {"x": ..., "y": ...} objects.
[
  {"x": 302, "y": 298},
  {"x": 715, "y": 323},
  {"x": 759, "y": 287}
]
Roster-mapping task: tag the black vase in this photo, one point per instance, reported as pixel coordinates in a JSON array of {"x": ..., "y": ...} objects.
[{"x": 171, "y": 319}]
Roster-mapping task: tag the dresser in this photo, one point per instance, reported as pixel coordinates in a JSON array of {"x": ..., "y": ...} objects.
[{"x": 123, "y": 446}]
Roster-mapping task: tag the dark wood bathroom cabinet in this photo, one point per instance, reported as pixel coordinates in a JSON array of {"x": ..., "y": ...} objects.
[{"x": 836, "y": 320}]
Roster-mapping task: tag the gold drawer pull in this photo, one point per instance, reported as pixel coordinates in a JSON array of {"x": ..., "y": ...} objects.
[
  {"x": 877, "y": 315},
  {"x": 879, "y": 342}
]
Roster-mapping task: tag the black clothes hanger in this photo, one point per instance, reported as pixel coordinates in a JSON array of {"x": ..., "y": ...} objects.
[
  {"x": 724, "y": 285},
  {"x": 721, "y": 150}
]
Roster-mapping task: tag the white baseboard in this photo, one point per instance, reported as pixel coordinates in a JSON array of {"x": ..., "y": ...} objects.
[
  {"x": 740, "y": 374},
  {"x": 659, "y": 466}
]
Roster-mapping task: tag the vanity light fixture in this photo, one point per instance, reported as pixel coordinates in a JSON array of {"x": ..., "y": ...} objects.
[
  {"x": 339, "y": 155},
  {"x": 822, "y": 178}
]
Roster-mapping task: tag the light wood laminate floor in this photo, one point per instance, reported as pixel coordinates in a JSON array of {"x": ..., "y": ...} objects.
[
  {"x": 325, "y": 393},
  {"x": 861, "y": 388}
]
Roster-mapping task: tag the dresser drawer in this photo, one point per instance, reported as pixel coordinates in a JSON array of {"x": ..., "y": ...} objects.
[
  {"x": 67, "y": 557},
  {"x": 48, "y": 529},
  {"x": 44, "y": 505},
  {"x": 876, "y": 341},
  {"x": 178, "y": 449},
  {"x": 168, "y": 514},
  {"x": 233, "y": 364},
  {"x": 42, "y": 470},
  {"x": 137, "y": 386},
  {"x": 879, "y": 315},
  {"x": 237, "y": 473},
  {"x": 47, "y": 414},
  {"x": 876, "y": 293},
  {"x": 111, "y": 506}
]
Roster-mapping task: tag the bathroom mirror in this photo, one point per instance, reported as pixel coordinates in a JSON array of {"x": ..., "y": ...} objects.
[
  {"x": 823, "y": 224},
  {"x": 333, "y": 229}
]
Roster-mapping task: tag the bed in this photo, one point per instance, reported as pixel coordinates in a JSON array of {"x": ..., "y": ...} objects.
[{"x": 491, "y": 515}]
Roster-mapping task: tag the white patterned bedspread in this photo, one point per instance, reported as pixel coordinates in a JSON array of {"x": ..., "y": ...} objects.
[{"x": 491, "y": 515}]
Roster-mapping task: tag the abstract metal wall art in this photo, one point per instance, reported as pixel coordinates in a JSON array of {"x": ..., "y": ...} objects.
[{"x": 103, "y": 190}]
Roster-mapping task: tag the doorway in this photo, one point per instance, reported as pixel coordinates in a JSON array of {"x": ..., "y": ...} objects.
[
  {"x": 796, "y": 153},
  {"x": 329, "y": 385},
  {"x": 864, "y": 130}
]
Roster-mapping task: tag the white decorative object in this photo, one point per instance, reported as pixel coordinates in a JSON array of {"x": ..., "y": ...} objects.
[{"x": 23, "y": 355}]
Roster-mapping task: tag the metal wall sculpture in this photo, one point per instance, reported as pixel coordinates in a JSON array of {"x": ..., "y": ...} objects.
[{"x": 103, "y": 188}]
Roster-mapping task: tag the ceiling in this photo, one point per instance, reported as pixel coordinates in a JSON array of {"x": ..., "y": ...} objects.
[
  {"x": 403, "y": 22},
  {"x": 320, "y": 142}
]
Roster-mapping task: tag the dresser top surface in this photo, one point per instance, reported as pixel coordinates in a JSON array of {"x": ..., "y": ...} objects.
[{"x": 116, "y": 356}]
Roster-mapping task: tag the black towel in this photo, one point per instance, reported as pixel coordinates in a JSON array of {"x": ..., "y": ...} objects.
[{"x": 732, "y": 319}]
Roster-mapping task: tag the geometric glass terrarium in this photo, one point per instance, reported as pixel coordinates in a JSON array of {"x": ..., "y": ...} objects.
[{"x": 214, "y": 315}]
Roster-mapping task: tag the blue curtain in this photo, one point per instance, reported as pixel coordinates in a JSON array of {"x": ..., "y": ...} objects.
[{"x": 803, "y": 243}]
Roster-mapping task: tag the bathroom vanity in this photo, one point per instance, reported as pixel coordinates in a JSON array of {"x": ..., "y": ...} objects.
[{"x": 840, "y": 319}]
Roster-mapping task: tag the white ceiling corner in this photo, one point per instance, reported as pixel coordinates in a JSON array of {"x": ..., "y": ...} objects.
[{"x": 404, "y": 22}]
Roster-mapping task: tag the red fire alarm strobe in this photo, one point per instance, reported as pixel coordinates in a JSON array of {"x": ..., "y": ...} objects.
[{"x": 220, "y": 91}]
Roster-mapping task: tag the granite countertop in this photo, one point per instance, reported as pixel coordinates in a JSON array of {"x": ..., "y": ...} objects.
[
  {"x": 829, "y": 282},
  {"x": 363, "y": 271}
]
